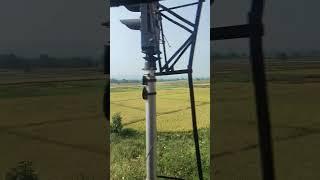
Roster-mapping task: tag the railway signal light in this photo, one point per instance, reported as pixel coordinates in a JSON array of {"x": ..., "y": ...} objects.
[{"x": 148, "y": 24}]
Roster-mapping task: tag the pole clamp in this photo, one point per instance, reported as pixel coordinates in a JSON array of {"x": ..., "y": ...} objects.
[
  {"x": 145, "y": 80},
  {"x": 145, "y": 93}
]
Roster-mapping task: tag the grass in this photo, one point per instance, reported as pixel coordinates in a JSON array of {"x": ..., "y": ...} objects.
[{"x": 175, "y": 152}]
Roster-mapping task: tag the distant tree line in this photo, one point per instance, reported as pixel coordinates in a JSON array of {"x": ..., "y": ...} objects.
[
  {"x": 229, "y": 55},
  {"x": 294, "y": 54},
  {"x": 282, "y": 55},
  {"x": 118, "y": 81},
  {"x": 11, "y": 61}
]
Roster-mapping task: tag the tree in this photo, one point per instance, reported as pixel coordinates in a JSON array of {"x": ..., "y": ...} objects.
[
  {"x": 282, "y": 56},
  {"x": 116, "y": 124}
]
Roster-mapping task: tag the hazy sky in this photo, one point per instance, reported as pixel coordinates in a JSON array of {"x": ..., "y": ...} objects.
[
  {"x": 126, "y": 56},
  {"x": 56, "y": 27},
  {"x": 72, "y": 27},
  {"x": 289, "y": 24}
]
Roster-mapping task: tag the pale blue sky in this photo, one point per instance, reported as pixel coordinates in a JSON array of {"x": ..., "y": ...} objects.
[{"x": 126, "y": 56}]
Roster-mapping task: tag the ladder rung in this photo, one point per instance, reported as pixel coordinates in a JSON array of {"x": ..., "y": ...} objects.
[
  {"x": 184, "y": 71},
  {"x": 234, "y": 32},
  {"x": 167, "y": 177},
  {"x": 106, "y": 24}
]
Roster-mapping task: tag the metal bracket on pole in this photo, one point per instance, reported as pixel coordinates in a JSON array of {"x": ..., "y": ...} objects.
[{"x": 145, "y": 92}]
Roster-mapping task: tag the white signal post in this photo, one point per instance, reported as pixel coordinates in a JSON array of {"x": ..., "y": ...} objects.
[
  {"x": 149, "y": 26},
  {"x": 150, "y": 46},
  {"x": 151, "y": 124}
]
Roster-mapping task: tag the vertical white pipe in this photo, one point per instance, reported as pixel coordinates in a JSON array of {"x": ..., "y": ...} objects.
[{"x": 151, "y": 127}]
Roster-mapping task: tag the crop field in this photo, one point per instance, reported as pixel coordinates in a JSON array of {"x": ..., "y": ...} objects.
[
  {"x": 294, "y": 96},
  {"x": 173, "y": 109},
  {"x": 175, "y": 146},
  {"x": 56, "y": 121},
  {"x": 58, "y": 125}
]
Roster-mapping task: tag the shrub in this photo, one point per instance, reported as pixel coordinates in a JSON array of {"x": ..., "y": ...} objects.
[
  {"x": 116, "y": 124},
  {"x": 24, "y": 171}
]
